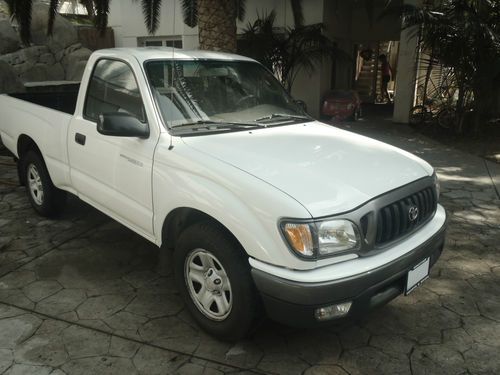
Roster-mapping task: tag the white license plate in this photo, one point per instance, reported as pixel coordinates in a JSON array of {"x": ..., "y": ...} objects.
[{"x": 417, "y": 275}]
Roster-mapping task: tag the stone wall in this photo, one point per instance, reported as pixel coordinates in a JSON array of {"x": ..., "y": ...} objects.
[{"x": 50, "y": 58}]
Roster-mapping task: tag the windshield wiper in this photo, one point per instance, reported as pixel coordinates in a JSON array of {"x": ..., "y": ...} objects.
[
  {"x": 218, "y": 124},
  {"x": 282, "y": 115}
]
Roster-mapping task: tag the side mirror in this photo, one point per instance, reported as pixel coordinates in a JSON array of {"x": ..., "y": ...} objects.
[
  {"x": 301, "y": 104},
  {"x": 121, "y": 124}
]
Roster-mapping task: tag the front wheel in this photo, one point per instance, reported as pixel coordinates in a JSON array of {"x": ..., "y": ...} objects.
[
  {"x": 214, "y": 279},
  {"x": 44, "y": 197}
]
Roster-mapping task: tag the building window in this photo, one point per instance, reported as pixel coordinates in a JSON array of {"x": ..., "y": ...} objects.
[{"x": 159, "y": 42}]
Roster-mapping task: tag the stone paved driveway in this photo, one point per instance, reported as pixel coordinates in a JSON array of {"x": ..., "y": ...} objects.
[{"x": 85, "y": 295}]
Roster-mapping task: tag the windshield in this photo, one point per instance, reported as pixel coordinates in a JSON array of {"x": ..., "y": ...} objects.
[{"x": 211, "y": 91}]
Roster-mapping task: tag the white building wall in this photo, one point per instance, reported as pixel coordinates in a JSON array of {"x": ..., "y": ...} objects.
[{"x": 125, "y": 17}]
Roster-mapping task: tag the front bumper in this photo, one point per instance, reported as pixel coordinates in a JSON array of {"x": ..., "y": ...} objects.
[{"x": 294, "y": 303}]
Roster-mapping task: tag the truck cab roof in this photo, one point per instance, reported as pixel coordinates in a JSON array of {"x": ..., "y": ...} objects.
[{"x": 143, "y": 54}]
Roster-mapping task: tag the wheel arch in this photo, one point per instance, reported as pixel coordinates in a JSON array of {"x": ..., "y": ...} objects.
[
  {"x": 24, "y": 144},
  {"x": 181, "y": 218}
]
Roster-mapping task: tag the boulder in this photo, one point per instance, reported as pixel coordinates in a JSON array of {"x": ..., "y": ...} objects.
[
  {"x": 64, "y": 33},
  {"x": 75, "y": 71},
  {"x": 74, "y": 63},
  {"x": 72, "y": 58},
  {"x": 13, "y": 58},
  {"x": 33, "y": 53},
  {"x": 47, "y": 58},
  {"x": 43, "y": 72},
  {"x": 22, "y": 68},
  {"x": 9, "y": 40},
  {"x": 30, "y": 54},
  {"x": 55, "y": 72},
  {"x": 72, "y": 48},
  {"x": 36, "y": 73},
  {"x": 9, "y": 82}
]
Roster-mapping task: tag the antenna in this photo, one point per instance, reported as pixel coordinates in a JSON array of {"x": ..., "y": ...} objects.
[{"x": 172, "y": 75}]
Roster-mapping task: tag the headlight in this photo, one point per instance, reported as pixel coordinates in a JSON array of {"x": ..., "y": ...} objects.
[
  {"x": 437, "y": 186},
  {"x": 321, "y": 238}
]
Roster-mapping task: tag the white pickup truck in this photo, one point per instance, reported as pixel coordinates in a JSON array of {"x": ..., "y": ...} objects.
[{"x": 206, "y": 155}]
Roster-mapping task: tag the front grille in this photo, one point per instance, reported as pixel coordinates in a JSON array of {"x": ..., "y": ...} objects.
[{"x": 394, "y": 221}]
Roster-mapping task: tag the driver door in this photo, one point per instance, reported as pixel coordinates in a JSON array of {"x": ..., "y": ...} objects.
[{"x": 113, "y": 173}]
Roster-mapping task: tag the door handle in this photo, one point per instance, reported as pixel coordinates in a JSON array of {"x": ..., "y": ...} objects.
[{"x": 80, "y": 139}]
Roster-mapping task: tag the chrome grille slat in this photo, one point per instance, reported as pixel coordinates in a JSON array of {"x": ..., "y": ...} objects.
[{"x": 393, "y": 220}]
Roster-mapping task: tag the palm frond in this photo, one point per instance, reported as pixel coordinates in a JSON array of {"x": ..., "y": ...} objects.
[
  {"x": 240, "y": 6},
  {"x": 286, "y": 52},
  {"x": 151, "y": 12},
  {"x": 21, "y": 11},
  {"x": 190, "y": 12},
  {"x": 298, "y": 14},
  {"x": 101, "y": 15},
  {"x": 53, "y": 7}
]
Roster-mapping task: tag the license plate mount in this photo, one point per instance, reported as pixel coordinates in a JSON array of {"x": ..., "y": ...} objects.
[{"x": 417, "y": 275}]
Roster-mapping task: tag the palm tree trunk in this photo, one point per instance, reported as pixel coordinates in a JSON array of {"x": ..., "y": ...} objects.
[{"x": 217, "y": 25}]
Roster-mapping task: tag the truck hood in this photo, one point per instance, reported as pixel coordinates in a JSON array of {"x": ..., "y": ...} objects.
[{"x": 327, "y": 170}]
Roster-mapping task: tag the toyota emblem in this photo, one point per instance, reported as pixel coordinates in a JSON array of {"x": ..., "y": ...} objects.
[{"x": 413, "y": 213}]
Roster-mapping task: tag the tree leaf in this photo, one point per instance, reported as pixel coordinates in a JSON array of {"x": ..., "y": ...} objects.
[
  {"x": 240, "y": 6},
  {"x": 151, "y": 12},
  {"x": 190, "y": 12},
  {"x": 298, "y": 14},
  {"x": 22, "y": 14},
  {"x": 53, "y": 7},
  {"x": 101, "y": 15}
]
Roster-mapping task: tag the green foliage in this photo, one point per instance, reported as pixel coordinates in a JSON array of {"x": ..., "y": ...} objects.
[
  {"x": 151, "y": 12},
  {"x": 286, "y": 51},
  {"x": 464, "y": 35}
]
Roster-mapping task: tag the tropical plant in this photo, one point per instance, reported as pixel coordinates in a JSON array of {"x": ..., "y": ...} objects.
[
  {"x": 215, "y": 18},
  {"x": 463, "y": 35},
  {"x": 286, "y": 51}
]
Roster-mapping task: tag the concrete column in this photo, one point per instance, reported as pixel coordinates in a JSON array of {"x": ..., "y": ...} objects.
[{"x": 407, "y": 72}]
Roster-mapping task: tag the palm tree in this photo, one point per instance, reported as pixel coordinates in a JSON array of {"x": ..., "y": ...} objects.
[
  {"x": 217, "y": 31},
  {"x": 286, "y": 51},
  {"x": 216, "y": 19}
]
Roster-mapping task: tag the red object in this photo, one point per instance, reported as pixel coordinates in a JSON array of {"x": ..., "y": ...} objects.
[{"x": 341, "y": 105}]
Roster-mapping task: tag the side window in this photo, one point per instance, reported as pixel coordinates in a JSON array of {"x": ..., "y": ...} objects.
[{"x": 113, "y": 88}]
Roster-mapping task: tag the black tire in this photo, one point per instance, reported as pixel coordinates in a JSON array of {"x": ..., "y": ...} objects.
[
  {"x": 419, "y": 115},
  {"x": 241, "y": 318},
  {"x": 446, "y": 118},
  {"x": 46, "y": 199}
]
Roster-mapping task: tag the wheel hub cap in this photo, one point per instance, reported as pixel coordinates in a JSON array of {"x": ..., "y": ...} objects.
[
  {"x": 35, "y": 184},
  {"x": 208, "y": 284}
]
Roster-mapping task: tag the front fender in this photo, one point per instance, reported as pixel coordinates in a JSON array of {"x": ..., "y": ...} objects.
[{"x": 248, "y": 207}]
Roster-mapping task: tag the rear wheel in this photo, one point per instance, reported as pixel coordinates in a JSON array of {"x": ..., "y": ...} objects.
[
  {"x": 446, "y": 118},
  {"x": 419, "y": 115},
  {"x": 214, "y": 278},
  {"x": 44, "y": 197}
]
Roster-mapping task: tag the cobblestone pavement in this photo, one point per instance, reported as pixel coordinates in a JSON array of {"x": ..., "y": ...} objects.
[{"x": 85, "y": 295}]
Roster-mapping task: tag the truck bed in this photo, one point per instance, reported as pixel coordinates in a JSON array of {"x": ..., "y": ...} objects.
[{"x": 63, "y": 101}]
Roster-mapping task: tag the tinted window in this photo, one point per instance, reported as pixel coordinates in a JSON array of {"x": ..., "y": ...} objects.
[{"x": 113, "y": 88}]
